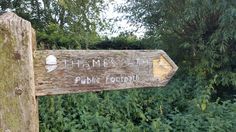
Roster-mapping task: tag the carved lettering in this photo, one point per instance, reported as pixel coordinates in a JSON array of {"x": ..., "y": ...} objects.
[
  {"x": 77, "y": 63},
  {"x": 105, "y": 63},
  {"x": 121, "y": 79},
  {"x": 96, "y": 63},
  {"x": 86, "y": 66},
  {"x": 86, "y": 80},
  {"x": 111, "y": 62}
]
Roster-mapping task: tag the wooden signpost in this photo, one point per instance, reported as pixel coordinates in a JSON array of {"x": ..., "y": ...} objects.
[
  {"x": 26, "y": 73},
  {"x": 73, "y": 71}
]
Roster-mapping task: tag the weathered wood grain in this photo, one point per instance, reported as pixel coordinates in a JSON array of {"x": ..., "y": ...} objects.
[
  {"x": 96, "y": 70},
  {"x": 18, "y": 106}
]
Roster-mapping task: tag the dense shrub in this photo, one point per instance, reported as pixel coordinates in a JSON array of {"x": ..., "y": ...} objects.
[{"x": 180, "y": 106}]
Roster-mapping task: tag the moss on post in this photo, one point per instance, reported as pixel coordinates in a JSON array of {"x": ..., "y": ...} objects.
[{"x": 18, "y": 106}]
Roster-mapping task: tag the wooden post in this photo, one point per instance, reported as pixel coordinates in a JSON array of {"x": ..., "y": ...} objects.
[{"x": 18, "y": 105}]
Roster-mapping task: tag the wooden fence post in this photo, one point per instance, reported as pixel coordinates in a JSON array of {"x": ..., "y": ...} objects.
[{"x": 18, "y": 105}]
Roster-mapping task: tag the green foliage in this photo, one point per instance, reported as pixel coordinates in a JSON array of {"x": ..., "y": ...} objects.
[
  {"x": 123, "y": 41},
  {"x": 199, "y": 35},
  {"x": 178, "y": 107},
  {"x": 60, "y": 24},
  {"x": 55, "y": 38}
]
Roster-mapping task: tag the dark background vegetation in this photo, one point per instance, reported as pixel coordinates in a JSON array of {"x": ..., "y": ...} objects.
[{"x": 199, "y": 35}]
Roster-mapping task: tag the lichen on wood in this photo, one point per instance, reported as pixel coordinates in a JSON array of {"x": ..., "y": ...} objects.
[{"x": 18, "y": 112}]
